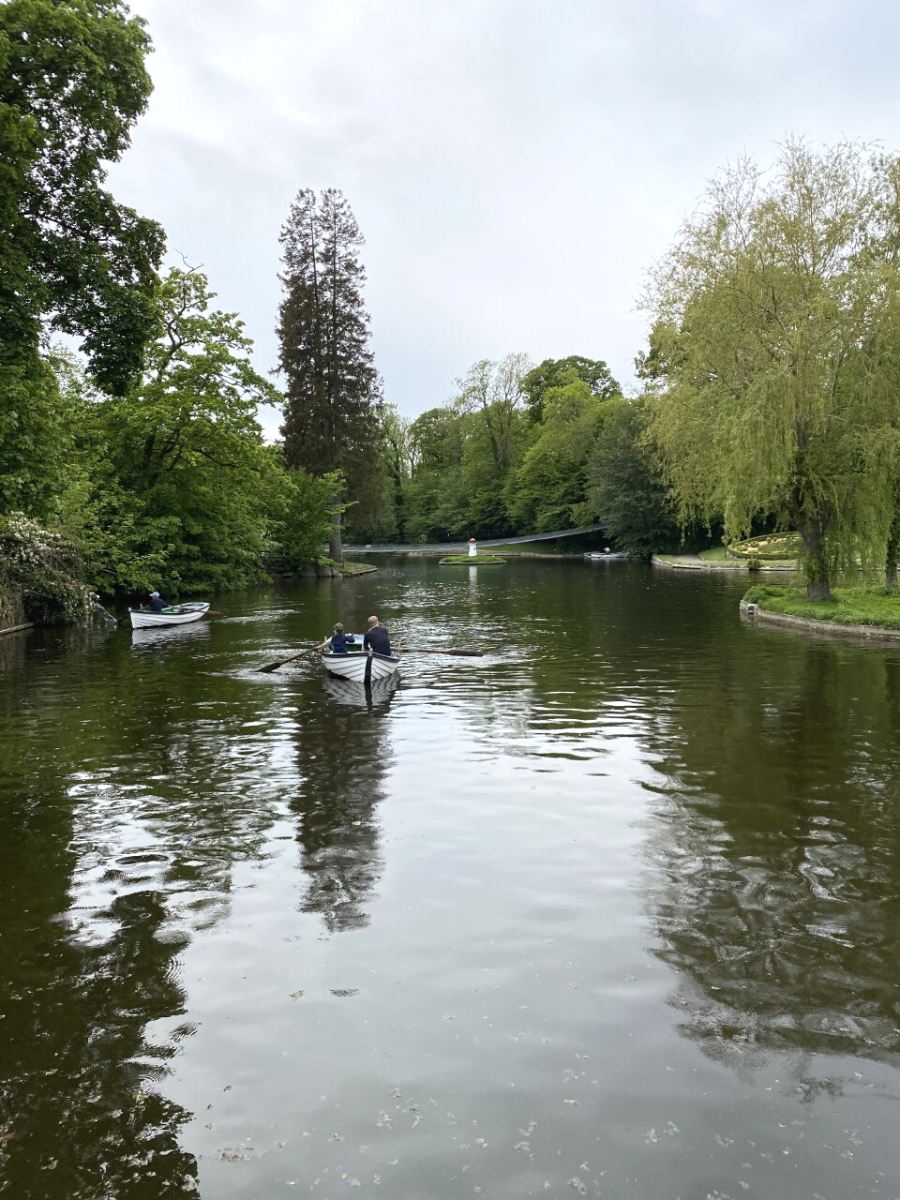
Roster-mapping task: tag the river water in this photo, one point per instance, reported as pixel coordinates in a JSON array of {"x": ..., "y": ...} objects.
[{"x": 611, "y": 911}]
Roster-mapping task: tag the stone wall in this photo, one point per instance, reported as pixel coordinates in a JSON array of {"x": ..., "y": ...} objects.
[{"x": 828, "y": 629}]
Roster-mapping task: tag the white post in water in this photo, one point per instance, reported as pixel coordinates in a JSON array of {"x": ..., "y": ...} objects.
[{"x": 473, "y": 548}]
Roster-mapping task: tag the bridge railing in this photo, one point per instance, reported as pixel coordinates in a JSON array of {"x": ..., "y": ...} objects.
[{"x": 521, "y": 539}]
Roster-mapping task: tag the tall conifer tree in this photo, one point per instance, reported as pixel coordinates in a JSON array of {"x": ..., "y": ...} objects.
[{"x": 333, "y": 409}]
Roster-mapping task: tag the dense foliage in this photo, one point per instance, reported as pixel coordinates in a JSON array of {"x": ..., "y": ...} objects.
[
  {"x": 180, "y": 486},
  {"x": 625, "y": 489},
  {"x": 775, "y": 356},
  {"x": 516, "y": 451},
  {"x": 72, "y": 83},
  {"x": 138, "y": 463}
]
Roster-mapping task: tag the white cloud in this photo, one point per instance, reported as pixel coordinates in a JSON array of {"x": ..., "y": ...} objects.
[{"x": 515, "y": 165}]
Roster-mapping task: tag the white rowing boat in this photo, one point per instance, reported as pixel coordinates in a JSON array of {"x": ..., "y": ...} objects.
[
  {"x": 359, "y": 666},
  {"x": 181, "y": 614}
]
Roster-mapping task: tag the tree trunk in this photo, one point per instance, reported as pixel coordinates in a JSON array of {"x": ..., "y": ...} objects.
[
  {"x": 890, "y": 564},
  {"x": 335, "y": 544},
  {"x": 818, "y": 584},
  {"x": 892, "y": 555}
]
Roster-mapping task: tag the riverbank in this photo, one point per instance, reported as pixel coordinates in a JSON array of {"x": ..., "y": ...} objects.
[
  {"x": 716, "y": 560},
  {"x": 868, "y": 612}
]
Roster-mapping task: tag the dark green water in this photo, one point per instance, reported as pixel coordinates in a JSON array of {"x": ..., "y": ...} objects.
[{"x": 613, "y": 911}]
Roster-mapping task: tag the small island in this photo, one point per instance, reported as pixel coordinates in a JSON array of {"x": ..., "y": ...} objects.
[{"x": 473, "y": 560}]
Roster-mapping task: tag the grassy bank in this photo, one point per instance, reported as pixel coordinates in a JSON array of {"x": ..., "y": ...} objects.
[{"x": 849, "y": 606}]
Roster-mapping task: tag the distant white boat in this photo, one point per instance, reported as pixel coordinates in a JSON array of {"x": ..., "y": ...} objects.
[
  {"x": 359, "y": 666},
  {"x": 598, "y": 554},
  {"x": 181, "y": 614}
]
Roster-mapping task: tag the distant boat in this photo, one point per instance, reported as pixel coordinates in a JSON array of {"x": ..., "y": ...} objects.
[
  {"x": 181, "y": 614},
  {"x": 359, "y": 666},
  {"x": 596, "y": 554}
]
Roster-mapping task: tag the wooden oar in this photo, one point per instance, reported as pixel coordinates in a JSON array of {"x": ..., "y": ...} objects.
[
  {"x": 429, "y": 650},
  {"x": 275, "y": 665}
]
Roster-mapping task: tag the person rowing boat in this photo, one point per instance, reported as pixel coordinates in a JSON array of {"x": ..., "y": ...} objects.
[
  {"x": 339, "y": 641},
  {"x": 377, "y": 639}
]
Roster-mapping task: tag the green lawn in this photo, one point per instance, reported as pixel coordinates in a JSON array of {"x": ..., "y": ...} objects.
[{"x": 850, "y": 605}]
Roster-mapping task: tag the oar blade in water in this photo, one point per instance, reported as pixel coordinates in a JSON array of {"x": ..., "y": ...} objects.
[{"x": 269, "y": 667}]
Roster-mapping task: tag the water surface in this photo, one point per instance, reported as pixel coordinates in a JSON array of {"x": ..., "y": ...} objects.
[{"x": 612, "y": 911}]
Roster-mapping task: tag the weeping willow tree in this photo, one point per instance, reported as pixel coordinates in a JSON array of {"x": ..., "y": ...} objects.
[{"x": 773, "y": 362}]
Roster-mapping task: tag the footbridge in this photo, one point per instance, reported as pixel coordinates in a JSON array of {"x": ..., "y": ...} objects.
[{"x": 449, "y": 547}]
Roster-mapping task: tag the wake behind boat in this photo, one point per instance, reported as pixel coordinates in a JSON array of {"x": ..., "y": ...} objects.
[{"x": 180, "y": 614}]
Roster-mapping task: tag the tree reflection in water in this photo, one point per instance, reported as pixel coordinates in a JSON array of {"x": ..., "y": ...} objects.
[
  {"x": 342, "y": 756},
  {"x": 105, "y": 872},
  {"x": 76, "y": 1098},
  {"x": 776, "y": 850}
]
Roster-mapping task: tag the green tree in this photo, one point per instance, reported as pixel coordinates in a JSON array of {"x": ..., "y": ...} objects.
[
  {"x": 435, "y": 499},
  {"x": 72, "y": 84},
  {"x": 625, "y": 493},
  {"x": 775, "y": 351},
  {"x": 332, "y": 411},
  {"x": 494, "y": 429},
  {"x": 181, "y": 483},
  {"x": 300, "y": 513},
  {"x": 494, "y": 389},
  {"x": 386, "y": 519},
  {"x": 555, "y": 372},
  {"x": 549, "y": 490}
]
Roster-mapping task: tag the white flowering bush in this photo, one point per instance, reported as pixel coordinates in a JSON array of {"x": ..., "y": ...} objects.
[{"x": 42, "y": 570}]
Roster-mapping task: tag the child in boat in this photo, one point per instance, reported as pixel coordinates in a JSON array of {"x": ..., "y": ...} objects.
[{"x": 340, "y": 640}]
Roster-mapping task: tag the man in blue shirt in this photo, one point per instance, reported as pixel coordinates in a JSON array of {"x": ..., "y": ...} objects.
[{"x": 157, "y": 604}]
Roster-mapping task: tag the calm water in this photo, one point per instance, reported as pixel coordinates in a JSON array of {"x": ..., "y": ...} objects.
[{"x": 612, "y": 911}]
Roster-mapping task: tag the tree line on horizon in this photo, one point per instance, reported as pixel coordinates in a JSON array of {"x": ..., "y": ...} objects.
[{"x": 769, "y": 395}]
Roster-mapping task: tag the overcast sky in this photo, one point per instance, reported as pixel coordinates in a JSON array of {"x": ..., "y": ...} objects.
[{"x": 515, "y": 166}]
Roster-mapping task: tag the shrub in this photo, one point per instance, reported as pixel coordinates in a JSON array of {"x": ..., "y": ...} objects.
[{"x": 43, "y": 571}]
